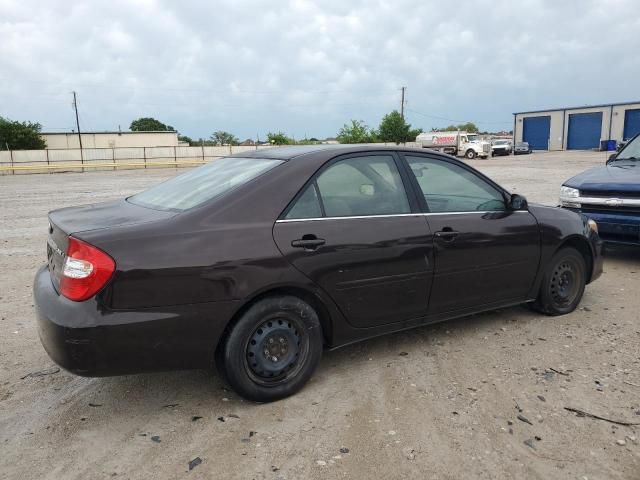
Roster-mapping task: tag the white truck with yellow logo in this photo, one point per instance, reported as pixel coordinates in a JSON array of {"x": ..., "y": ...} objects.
[{"x": 456, "y": 143}]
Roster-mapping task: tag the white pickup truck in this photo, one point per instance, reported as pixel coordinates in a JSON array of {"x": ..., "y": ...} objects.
[{"x": 455, "y": 143}]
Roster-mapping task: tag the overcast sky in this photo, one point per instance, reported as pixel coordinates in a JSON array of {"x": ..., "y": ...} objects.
[{"x": 306, "y": 67}]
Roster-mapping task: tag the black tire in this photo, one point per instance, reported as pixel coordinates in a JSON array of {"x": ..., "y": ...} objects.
[
  {"x": 563, "y": 283},
  {"x": 470, "y": 154},
  {"x": 273, "y": 349}
]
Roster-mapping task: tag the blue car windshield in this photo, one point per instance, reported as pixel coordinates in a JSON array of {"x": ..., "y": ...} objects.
[{"x": 631, "y": 151}]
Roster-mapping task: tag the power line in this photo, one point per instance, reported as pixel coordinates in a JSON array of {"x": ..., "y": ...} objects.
[{"x": 456, "y": 121}]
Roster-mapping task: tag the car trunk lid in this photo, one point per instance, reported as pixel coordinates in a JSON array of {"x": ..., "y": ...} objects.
[{"x": 75, "y": 220}]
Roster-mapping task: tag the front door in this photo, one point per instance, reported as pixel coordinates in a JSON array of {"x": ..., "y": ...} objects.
[
  {"x": 485, "y": 254},
  {"x": 354, "y": 232}
]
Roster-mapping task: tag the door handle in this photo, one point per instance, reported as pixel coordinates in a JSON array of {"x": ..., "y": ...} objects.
[
  {"x": 447, "y": 234},
  {"x": 308, "y": 242}
]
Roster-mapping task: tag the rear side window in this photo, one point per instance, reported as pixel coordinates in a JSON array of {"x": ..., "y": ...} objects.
[
  {"x": 204, "y": 183},
  {"x": 357, "y": 186},
  {"x": 450, "y": 188}
]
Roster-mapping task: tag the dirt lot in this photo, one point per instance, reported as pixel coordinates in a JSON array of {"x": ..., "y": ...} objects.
[{"x": 480, "y": 397}]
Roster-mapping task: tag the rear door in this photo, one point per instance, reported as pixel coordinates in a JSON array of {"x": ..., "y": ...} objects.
[
  {"x": 356, "y": 232},
  {"x": 484, "y": 253}
]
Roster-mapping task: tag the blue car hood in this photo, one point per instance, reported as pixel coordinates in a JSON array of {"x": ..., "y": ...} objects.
[{"x": 623, "y": 177}]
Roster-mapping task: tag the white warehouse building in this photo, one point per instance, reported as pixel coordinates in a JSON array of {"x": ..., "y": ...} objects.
[
  {"x": 110, "y": 139},
  {"x": 577, "y": 128}
]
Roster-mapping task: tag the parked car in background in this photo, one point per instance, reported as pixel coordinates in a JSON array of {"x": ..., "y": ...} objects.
[
  {"x": 261, "y": 260},
  {"x": 521, "y": 148},
  {"x": 501, "y": 147},
  {"x": 456, "y": 143},
  {"x": 610, "y": 195}
]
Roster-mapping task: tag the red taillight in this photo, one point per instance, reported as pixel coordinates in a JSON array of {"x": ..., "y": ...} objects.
[{"x": 86, "y": 270}]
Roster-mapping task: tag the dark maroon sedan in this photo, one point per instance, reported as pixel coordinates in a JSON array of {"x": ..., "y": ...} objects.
[{"x": 257, "y": 262}]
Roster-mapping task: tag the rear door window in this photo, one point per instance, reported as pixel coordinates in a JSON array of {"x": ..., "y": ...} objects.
[{"x": 358, "y": 186}]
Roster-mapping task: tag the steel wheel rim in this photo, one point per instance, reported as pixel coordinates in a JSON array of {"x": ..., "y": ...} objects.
[
  {"x": 276, "y": 350},
  {"x": 565, "y": 283}
]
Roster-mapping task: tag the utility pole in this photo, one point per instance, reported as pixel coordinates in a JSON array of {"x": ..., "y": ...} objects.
[
  {"x": 402, "y": 103},
  {"x": 75, "y": 107}
]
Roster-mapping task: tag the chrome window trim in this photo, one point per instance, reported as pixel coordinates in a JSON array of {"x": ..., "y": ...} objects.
[
  {"x": 613, "y": 201},
  {"x": 352, "y": 217}
]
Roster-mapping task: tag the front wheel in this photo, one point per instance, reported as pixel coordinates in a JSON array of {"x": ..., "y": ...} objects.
[
  {"x": 273, "y": 349},
  {"x": 471, "y": 154},
  {"x": 563, "y": 283}
]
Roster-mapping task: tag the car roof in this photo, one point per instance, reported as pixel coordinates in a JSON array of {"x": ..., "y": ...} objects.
[{"x": 300, "y": 151}]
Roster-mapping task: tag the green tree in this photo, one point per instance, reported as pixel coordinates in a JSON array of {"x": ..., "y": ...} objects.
[
  {"x": 20, "y": 135},
  {"x": 279, "y": 138},
  {"x": 184, "y": 138},
  {"x": 394, "y": 128},
  {"x": 148, "y": 124},
  {"x": 468, "y": 127},
  {"x": 356, "y": 132},
  {"x": 221, "y": 137}
]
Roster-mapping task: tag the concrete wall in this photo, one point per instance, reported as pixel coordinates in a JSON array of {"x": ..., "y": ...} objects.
[
  {"x": 612, "y": 115},
  {"x": 59, "y": 160},
  {"x": 111, "y": 140}
]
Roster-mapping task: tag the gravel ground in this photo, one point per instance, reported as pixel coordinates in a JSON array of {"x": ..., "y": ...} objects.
[{"x": 479, "y": 397}]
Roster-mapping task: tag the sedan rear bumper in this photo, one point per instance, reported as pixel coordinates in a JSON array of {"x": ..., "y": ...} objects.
[{"x": 89, "y": 340}]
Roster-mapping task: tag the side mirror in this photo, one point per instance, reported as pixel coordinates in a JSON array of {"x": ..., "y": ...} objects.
[
  {"x": 612, "y": 157},
  {"x": 518, "y": 202}
]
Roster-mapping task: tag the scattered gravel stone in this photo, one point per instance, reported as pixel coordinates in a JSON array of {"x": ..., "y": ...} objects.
[
  {"x": 541, "y": 398},
  {"x": 195, "y": 418},
  {"x": 403, "y": 354},
  {"x": 322, "y": 463},
  {"x": 392, "y": 432},
  {"x": 524, "y": 419},
  {"x": 156, "y": 439},
  {"x": 344, "y": 450},
  {"x": 529, "y": 443},
  {"x": 194, "y": 463},
  {"x": 621, "y": 442}
]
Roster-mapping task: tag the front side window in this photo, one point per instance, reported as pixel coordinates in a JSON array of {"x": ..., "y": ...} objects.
[
  {"x": 202, "y": 184},
  {"x": 450, "y": 188},
  {"x": 357, "y": 186}
]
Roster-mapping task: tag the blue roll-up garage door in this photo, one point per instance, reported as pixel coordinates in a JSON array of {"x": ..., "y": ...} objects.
[
  {"x": 535, "y": 131},
  {"x": 631, "y": 123},
  {"x": 584, "y": 131}
]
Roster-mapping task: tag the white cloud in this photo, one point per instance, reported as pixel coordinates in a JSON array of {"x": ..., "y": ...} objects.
[{"x": 307, "y": 67}]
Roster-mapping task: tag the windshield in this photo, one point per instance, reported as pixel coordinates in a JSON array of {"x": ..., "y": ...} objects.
[
  {"x": 203, "y": 183},
  {"x": 501, "y": 142},
  {"x": 472, "y": 137},
  {"x": 631, "y": 151}
]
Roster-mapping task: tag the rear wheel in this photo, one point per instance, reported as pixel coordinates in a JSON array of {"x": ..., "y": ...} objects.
[
  {"x": 471, "y": 154},
  {"x": 562, "y": 284},
  {"x": 273, "y": 349}
]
